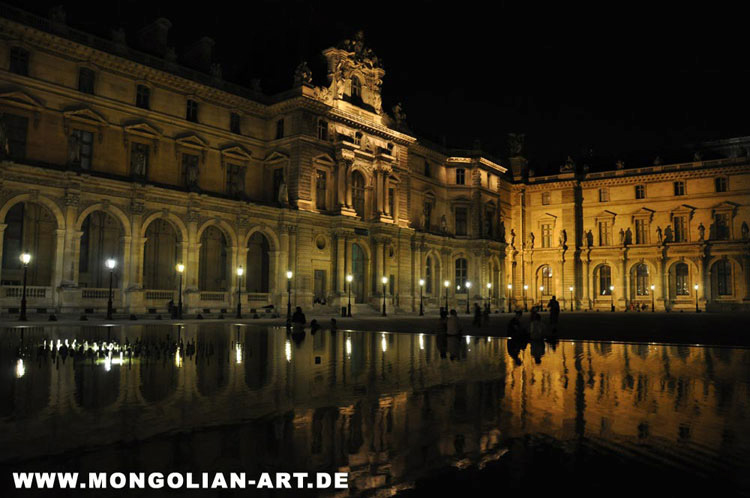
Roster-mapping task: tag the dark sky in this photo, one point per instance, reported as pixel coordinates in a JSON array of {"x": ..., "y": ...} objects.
[{"x": 622, "y": 79}]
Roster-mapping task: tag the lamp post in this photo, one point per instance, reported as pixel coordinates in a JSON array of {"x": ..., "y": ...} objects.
[
  {"x": 571, "y": 297},
  {"x": 489, "y": 294},
  {"x": 510, "y": 293},
  {"x": 541, "y": 299},
  {"x": 421, "y": 307},
  {"x": 240, "y": 271},
  {"x": 349, "y": 279},
  {"x": 446, "y": 284},
  {"x": 110, "y": 263},
  {"x": 180, "y": 270},
  {"x": 612, "y": 296},
  {"x": 25, "y": 258},
  {"x": 385, "y": 282},
  {"x": 468, "y": 290},
  {"x": 652, "y": 298},
  {"x": 525, "y": 288},
  {"x": 289, "y": 275},
  {"x": 697, "y": 309}
]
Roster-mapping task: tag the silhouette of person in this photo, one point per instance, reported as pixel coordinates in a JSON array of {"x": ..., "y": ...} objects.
[{"x": 554, "y": 310}]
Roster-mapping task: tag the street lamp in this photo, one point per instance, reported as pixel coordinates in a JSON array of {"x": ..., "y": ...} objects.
[
  {"x": 510, "y": 291},
  {"x": 180, "y": 269},
  {"x": 349, "y": 279},
  {"x": 421, "y": 307},
  {"x": 289, "y": 275},
  {"x": 385, "y": 282},
  {"x": 612, "y": 296},
  {"x": 468, "y": 289},
  {"x": 25, "y": 258},
  {"x": 541, "y": 299},
  {"x": 110, "y": 263},
  {"x": 697, "y": 310},
  {"x": 571, "y": 297},
  {"x": 489, "y": 294},
  {"x": 446, "y": 284},
  {"x": 240, "y": 271},
  {"x": 525, "y": 288},
  {"x": 652, "y": 297}
]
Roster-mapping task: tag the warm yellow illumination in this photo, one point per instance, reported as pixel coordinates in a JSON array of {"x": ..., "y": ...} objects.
[
  {"x": 525, "y": 287},
  {"x": 384, "y": 280},
  {"x": 348, "y": 346},
  {"x": 289, "y": 274},
  {"x": 510, "y": 286},
  {"x": 240, "y": 271},
  {"x": 695, "y": 287},
  {"x": 570, "y": 288},
  {"x": 489, "y": 285},
  {"x": 20, "y": 368},
  {"x": 541, "y": 288},
  {"x": 25, "y": 258},
  {"x": 180, "y": 267},
  {"x": 446, "y": 284},
  {"x": 611, "y": 287},
  {"x": 238, "y": 353},
  {"x": 349, "y": 278},
  {"x": 111, "y": 263},
  {"x": 288, "y": 349},
  {"x": 653, "y": 287},
  {"x": 421, "y": 282},
  {"x": 421, "y": 341},
  {"x": 383, "y": 343},
  {"x": 468, "y": 284},
  {"x": 178, "y": 358}
]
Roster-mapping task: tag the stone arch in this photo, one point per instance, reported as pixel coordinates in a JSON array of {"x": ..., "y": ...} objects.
[
  {"x": 172, "y": 218},
  {"x": 598, "y": 292},
  {"x": 736, "y": 280},
  {"x": 273, "y": 239},
  {"x": 160, "y": 272},
  {"x": 111, "y": 210},
  {"x": 544, "y": 276},
  {"x": 258, "y": 264},
  {"x": 363, "y": 271},
  {"x": 693, "y": 278},
  {"x": 38, "y": 199},
  {"x": 214, "y": 260},
  {"x": 437, "y": 271},
  {"x": 101, "y": 238},
  {"x": 222, "y": 225}
]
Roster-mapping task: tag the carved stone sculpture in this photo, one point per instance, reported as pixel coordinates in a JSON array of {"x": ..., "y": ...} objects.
[
  {"x": 563, "y": 238},
  {"x": 701, "y": 232},
  {"x": 302, "y": 74},
  {"x": 74, "y": 149},
  {"x": 531, "y": 240},
  {"x": 4, "y": 143},
  {"x": 515, "y": 144},
  {"x": 501, "y": 230},
  {"x": 512, "y": 238},
  {"x": 622, "y": 237},
  {"x": 569, "y": 165},
  {"x": 191, "y": 175},
  {"x": 399, "y": 115},
  {"x": 283, "y": 195},
  {"x": 745, "y": 230},
  {"x": 443, "y": 224},
  {"x": 659, "y": 235}
]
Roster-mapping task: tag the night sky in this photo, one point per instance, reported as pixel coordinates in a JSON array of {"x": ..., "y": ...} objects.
[{"x": 623, "y": 80}]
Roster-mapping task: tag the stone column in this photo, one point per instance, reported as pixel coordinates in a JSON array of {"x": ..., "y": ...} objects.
[
  {"x": 386, "y": 205},
  {"x": 340, "y": 244},
  {"x": 624, "y": 284},
  {"x": 588, "y": 282},
  {"x": 661, "y": 287},
  {"x": 57, "y": 275},
  {"x": 378, "y": 192},
  {"x": 379, "y": 266},
  {"x": 3, "y": 226},
  {"x": 292, "y": 253}
]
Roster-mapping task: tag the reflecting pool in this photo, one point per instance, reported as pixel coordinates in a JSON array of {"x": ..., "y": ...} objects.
[{"x": 401, "y": 413}]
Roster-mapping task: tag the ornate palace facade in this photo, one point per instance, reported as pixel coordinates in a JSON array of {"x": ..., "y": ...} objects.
[{"x": 109, "y": 152}]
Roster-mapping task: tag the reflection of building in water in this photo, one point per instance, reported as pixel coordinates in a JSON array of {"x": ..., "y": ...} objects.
[
  {"x": 109, "y": 152},
  {"x": 383, "y": 408}
]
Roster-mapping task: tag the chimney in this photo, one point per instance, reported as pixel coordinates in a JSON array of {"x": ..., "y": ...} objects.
[
  {"x": 153, "y": 38},
  {"x": 200, "y": 54}
]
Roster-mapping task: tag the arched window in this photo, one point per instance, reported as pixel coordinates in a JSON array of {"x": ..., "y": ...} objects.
[
  {"x": 257, "y": 264},
  {"x": 356, "y": 88},
  {"x": 546, "y": 280},
  {"x": 641, "y": 280},
  {"x": 605, "y": 280},
  {"x": 682, "y": 279},
  {"x": 462, "y": 270},
  {"x": 723, "y": 272},
  {"x": 428, "y": 275},
  {"x": 213, "y": 264},
  {"x": 358, "y": 193}
]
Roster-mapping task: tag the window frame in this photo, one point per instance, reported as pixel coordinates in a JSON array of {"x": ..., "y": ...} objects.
[
  {"x": 640, "y": 191},
  {"x": 14, "y": 60},
  {"x": 143, "y": 92},
  {"x": 680, "y": 188},
  {"x": 86, "y": 85},
  {"x": 460, "y": 176},
  {"x": 191, "y": 110}
]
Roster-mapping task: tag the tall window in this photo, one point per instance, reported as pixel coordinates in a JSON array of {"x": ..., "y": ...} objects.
[
  {"x": 640, "y": 191},
  {"x": 723, "y": 277},
  {"x": 278, "y": 179},
  {"x": 320, "y": 190},
  {"x": 641, "y": 233},
  {"x": 192, "y": 111},
  {"x": 641, "y": 280},
  {"x": 721, "y": 226},
  {"x": 323, "y": 130},
  {"x": 17, "y": 128},
  {"x": 235, "y": 123},
  {"x": 604, "y": 239},
  {"x": 189, "y": 164},
  {"x": 460, "y": 176},
  {"x": 545, "y": 198},
  {"x": 679, "y": 188},
  {"x": 139, "y": 156},
  {"x": 391, "y": 202},
  {"x": 680, "y": 229},
  {"x": 428, "y": 276},
  {"x": 279, "y": 129},
  {"x": 546, "y": 280},
  {"x": 603, "y": 194},
  {"x": 682, "y": 279},
  {"x": 86, "y": 150},
  {"x": 427, "y": 215},
  {"x": 86, "y": 80},
  {"x": 720, "y": 184},
  {"x": 143, "y": 97},
  {"x": 356, "y": 88},
  {"x": 19, "y": 61},
  {"x": 462, "y": 218},
  {"x": 427, "y": 171},
  {"x": 546, "y": 235},
  {"x": 358, "y": 193},
  {"x": 605, "y": 280},
  {"x": 461, "y": 273}
]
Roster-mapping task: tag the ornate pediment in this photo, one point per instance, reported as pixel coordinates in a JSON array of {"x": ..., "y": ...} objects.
[
  {"x": 143, "y": 129},
  {"x": 85, "y": 114},
  {"x": 643, "y": 213},
  {"x": 606, "y": 215},
  {"x": 191, "y": 140},
  {"x": 324, "y": 159},
  {"x": 276, "y": 156},
  {"x": 236, "y": 152},
  {"x": 725, "y": 207},
  {"x": 21, "y": 99},
  {"x": 547, "y": 219},
  {"x": 682, "y": 210}
]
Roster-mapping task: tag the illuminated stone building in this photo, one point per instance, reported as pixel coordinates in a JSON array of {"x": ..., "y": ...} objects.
[{"x": 117, "y": 153}]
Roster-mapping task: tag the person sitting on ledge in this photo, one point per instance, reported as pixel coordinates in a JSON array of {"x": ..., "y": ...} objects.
[{"x": 298, "y": 318}]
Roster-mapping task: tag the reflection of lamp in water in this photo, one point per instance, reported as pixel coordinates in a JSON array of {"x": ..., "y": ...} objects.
[
  {"x": 238, "y": 353},
  {"x": 383, "y": 342},
  {"x": 20, "y": 368},
  {"x": 385, "y": 282},
  {"x": 697, "y": 310},
  {"x": 421, "y": 286},
  {"x": 468, "y": 296},
  {"x": 421, "y": 341},
  {"x": 468, "y": 340},
  {"x": 25, "y": 258},
  {"x": 349, "y": 279},
  {"x": 652, "y": 298},
  {"x": 180, "y": 270},
  {"x": 288, "y": 350},
  {"x": 110, "y": 263},
  {"x": 348, "y": 346},
  {"x": 178, "y": 357}
]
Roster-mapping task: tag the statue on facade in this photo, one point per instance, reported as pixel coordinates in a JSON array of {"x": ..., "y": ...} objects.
[
  {"x": 697, "y": 156},
  {"x": 563, "y": 238},
  {"x": 283, "y": 195},
  {"x": 668, "y": 234},
  {"x": 659, "y": 235},
  {"x": 4, "y": 141},
  {"x": 701, "y": 233},
  {"x": 745, "y": 230},
  {"x": 74, "y": 149},
  {"x": 302, "y": 74},
  {"x": 191, "y": 175},
  {"x": 443, "y": 224},
  {"x": 399, "y": 116},
  {"x": 589, "y": 238},
  {"x": 531, "y": 240},
  {"x": 512, "y": 238},
  {"x": 501, "y": 230},
  {"x": 423, "y": 221},
  {"x": 139, "y": 160},
  {"x": 569, "y": 165},
  {"x": 657, "y": 161},
  {"x": 515, "y": 144},
  {"x": 620, "y": 164}
]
